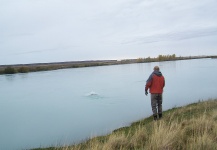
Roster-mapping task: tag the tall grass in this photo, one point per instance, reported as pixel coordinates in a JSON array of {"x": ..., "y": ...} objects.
[{"x": 191, "y": 127}]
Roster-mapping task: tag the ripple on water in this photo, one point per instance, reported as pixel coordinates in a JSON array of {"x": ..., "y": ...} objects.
[{"x": 93, "y": 95}]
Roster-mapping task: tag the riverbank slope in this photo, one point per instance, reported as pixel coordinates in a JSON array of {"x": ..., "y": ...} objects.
[{"x": 189, "y": 127}]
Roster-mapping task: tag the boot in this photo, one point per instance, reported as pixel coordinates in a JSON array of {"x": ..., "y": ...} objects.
[
  {"x": 160, "y": 116},
  {"x": 155, "y": 117}
]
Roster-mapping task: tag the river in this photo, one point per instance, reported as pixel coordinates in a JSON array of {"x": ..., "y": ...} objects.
[{"x": 67, "y": 106}]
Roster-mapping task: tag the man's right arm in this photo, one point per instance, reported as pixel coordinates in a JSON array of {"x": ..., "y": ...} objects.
[{"x": 148, "y": 84}]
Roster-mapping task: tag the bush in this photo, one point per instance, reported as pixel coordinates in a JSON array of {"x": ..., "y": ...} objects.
[
  {"x": 23, "y": 69},
  {"x": 9, "y": 70}
]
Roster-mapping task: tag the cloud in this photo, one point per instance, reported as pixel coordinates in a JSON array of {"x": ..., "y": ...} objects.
[
  {"x": 102, "y": 29},
  {"x": 62, "y": 49},
  {"x": 36, "y": 51},
  {"x": 172, "y": 36}
]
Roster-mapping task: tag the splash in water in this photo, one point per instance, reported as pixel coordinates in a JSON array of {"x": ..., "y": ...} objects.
[{"x": 93, "y": 95}]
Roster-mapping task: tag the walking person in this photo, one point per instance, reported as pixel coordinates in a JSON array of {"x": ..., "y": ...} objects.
[{"x": 155, "y": 84}]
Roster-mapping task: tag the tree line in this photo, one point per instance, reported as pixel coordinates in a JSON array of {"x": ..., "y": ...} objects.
[{"x": 159, "y": 58}]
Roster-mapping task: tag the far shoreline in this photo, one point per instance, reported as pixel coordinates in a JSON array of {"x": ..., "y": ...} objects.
[{"x": 35, "y": 67}]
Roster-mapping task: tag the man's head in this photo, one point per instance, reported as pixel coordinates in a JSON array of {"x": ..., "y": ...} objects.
[{"x": 156, "y": 68}]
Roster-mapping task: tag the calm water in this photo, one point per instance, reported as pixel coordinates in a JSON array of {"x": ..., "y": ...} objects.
[{"x": 65, "y": 106}]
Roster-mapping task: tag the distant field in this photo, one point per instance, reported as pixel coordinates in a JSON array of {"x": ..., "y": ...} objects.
[{"x": 24, "y": 68}]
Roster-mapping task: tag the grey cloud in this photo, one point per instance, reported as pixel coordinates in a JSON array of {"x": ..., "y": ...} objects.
[
  {"x": 17, "y": 35},
  {"x": 44, "y": 50},
  {"x": 35, "y": 51},
  {"x": 172, "y": 36}
]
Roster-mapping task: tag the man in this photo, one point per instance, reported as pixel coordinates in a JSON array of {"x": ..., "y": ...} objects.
[{"x": 155, "y": 84}]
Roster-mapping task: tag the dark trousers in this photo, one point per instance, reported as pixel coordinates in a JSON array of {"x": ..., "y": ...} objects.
[{"x": 156, "y": 104}]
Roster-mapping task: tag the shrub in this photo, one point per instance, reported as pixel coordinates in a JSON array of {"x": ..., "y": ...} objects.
[
  {"x": 23, "y": 69},
  {"x": 41, "y": 68},
  {"x": 9, "y": 70},
  {"x": 2, "y": 71}
]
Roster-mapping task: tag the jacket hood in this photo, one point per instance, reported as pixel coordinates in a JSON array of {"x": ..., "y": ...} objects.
[{"x": 158, "y": 73}]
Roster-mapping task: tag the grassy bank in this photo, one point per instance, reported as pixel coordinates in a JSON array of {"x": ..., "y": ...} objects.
[
  {"x": 190, "y": 127},
  {"x": 25, "y": 68}
]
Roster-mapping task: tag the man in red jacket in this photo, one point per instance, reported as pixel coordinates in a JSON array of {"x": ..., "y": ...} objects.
[{"x": 155, "y": 84}]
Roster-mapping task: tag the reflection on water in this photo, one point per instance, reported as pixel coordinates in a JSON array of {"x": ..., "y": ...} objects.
[
  {"x": 69, "y": 105},
  {"x": 10, "y": 77}
]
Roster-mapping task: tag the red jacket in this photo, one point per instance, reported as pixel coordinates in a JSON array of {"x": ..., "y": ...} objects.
[{"x": 155, "y": 83}]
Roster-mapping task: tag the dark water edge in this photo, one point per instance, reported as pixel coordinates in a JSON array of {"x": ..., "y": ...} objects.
[{"x": 25, "y": 68}]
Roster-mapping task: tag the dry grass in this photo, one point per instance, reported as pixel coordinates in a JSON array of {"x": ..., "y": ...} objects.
[{"x": 191, "y": 127}]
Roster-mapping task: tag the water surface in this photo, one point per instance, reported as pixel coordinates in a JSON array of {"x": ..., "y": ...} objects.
[{"x": 64, "y": 106}]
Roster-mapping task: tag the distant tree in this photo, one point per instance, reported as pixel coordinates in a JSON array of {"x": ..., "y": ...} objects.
[
  {"x": 9, "y": 70},
  {"x": 166, "y": 57},
  {"x": 160, "y": 57},
  {"x": 174, "y": 56},
  {"x": 140, "y": 60},
  {"x": 148, "y": 59}
]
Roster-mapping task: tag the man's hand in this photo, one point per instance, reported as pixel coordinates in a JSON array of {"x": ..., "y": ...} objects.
[{"x": 146, "y": 92}]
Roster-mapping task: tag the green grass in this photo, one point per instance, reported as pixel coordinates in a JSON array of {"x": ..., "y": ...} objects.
[{"x": 190, "y": 127}]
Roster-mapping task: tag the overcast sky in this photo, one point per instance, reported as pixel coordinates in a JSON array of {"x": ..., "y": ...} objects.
[{"x": 34, "y": 31}]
